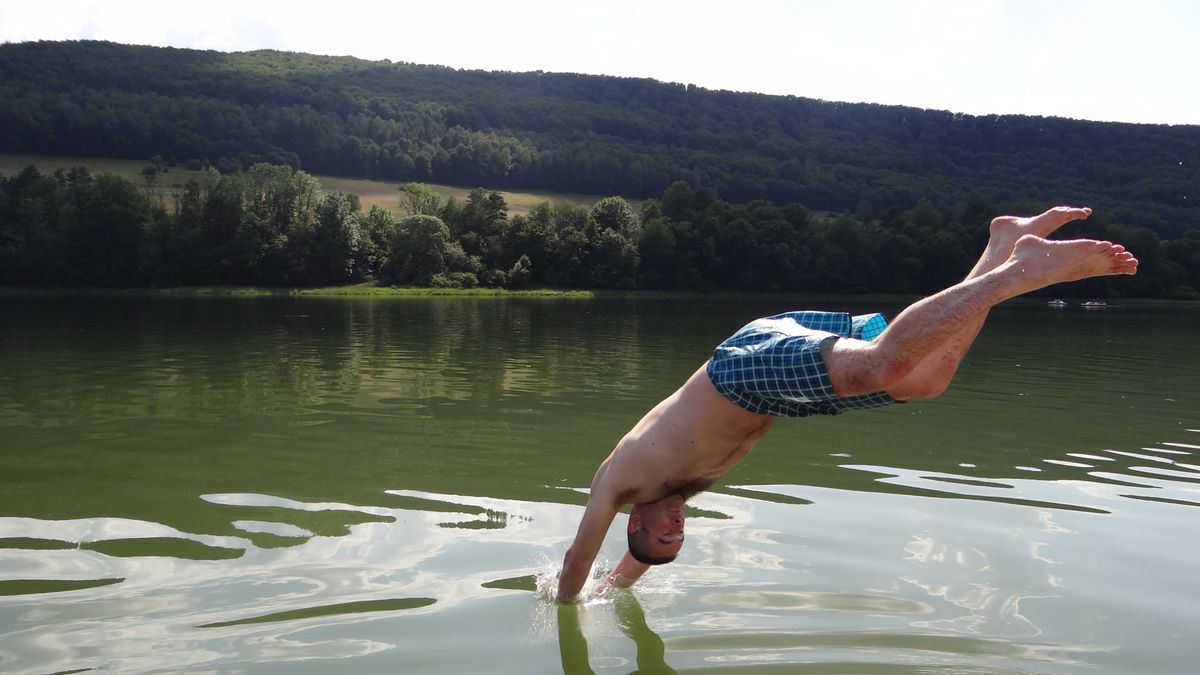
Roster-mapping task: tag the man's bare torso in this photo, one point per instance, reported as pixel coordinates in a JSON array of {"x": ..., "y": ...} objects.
[{"x": 681, "y": 446}]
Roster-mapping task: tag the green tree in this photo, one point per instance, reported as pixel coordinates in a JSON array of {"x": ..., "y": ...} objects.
[
  {"x": 417, "y": 199},
  {"x": 211, "y": 212},
  {"x": 569, "y": 258},
  {"x": 612, "y": 260},
  {"x": 107, "y": 220},
  {"x": 520, "y": 275},
  {"x": 378, "y": 230},
  {"x": 419, "y": 250},
  {"x": 483, "y": 216},
  {"x": 656, "y": 249},
  {"x": 534, "y": 238},
  {"x": 32, "y": 232},
  {"x": 278, "y": 225},
  {"x": 615, "y": 213},
  {"x": 677, "y": 201},
  {"x": 337, "y": 245},
  {"x": 482, "y": 228}
]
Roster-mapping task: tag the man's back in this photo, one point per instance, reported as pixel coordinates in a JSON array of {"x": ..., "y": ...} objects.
[{"x": 681, "y": 446}]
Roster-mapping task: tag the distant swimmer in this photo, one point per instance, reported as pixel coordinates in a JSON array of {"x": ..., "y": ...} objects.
[{"x": 809, "y": 363}]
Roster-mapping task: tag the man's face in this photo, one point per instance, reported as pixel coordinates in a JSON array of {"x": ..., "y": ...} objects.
[{"x": 663, "y": 521}]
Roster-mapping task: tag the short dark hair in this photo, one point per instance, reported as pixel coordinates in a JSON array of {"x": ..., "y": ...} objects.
[{"x": 639, "y": 543}]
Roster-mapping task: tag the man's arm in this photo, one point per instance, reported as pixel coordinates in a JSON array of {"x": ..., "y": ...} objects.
[
  {"x": 599, "y": 514},
  {"x": 627, "y": 572}
]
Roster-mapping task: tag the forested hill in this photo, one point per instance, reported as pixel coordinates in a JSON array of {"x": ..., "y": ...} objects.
[{"x": 578, "y": 133}]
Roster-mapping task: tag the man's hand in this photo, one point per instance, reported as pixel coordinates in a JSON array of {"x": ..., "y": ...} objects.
[{"x": 624, "y": 575}]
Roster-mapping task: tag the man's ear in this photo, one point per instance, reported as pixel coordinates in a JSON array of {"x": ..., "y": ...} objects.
[{"x": 635, "y": 521}]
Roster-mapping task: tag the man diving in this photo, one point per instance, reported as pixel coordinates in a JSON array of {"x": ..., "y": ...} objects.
[{"x": 809, "y": 363}]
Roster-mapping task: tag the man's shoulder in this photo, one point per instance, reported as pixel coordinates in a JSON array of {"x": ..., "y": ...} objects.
[
  {"x": 619, "y": 481},
  {"x": 612, "y": 487}
]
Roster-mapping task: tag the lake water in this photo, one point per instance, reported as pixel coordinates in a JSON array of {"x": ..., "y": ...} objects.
[{"x": 333, "y": 485}]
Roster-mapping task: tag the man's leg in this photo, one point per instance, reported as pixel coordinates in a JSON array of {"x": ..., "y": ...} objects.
[
  {"x": 931, "y": 376},
  {"x": 924, "y": 328}
]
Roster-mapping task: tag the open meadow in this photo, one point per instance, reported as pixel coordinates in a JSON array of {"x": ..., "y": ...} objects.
[{"x": 370, "y": 192}]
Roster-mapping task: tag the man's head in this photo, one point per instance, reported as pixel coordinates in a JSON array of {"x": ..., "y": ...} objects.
[{"x": 656, "y": 530}]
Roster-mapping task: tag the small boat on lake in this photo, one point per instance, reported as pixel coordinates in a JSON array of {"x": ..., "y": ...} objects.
[
  {"x": 1057, "y": 303},
  {"x": 1094, "y": 304}
]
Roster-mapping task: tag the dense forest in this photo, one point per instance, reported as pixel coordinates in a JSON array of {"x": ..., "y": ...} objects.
[
  {"x": 274, "y": 226},
  {"x": 732, "y": 179},
  {"x": 577, "y": 133}
]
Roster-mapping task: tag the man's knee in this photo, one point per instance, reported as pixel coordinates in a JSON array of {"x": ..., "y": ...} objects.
[
  {"x": 912, "y": 389},
  {"x": 927, "y": 380},
  {"x": 857, "y": 368}
]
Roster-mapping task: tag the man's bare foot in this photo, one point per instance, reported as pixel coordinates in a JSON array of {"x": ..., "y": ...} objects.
[
  {"x": 1006, "y": 230},
  {"x": 1044, "y": 262},
  {"x": 1042, "y": 225}
]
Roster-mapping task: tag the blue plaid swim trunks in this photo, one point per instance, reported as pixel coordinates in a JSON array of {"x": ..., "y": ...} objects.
[{"x": 773, "y": 366}]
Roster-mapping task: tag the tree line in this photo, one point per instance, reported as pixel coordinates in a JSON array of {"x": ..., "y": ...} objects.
[
  {"x": 577, "y": 133},
  {"x": 274, "y": 226}
]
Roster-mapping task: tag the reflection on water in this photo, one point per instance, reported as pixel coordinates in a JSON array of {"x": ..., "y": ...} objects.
[
  {"x": 389, "y": 486},
  {"x": 572, "y": 642},
  {"x": 359, "y": 607},
  {"x": 1099, "y": 479},
  {"x": 951, "y": 572},
  {"x": 387, "y": 563}
]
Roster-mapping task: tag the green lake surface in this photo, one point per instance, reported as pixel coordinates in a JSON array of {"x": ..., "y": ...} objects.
[{"x": 322, "y": 485}]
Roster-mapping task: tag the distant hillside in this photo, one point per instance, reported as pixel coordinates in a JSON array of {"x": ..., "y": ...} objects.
[{"x": 577, "y": 133}]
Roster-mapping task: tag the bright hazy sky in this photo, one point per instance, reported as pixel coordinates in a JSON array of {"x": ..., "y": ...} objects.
[{"x": 1118, "y": 60}]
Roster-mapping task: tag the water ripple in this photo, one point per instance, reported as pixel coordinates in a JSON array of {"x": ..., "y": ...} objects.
[{"x": 360, "y": 607}]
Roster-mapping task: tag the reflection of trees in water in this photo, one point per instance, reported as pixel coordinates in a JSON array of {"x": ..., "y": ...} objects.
[
  {"x": 136, "y": 406},
  {"x": 192, "y": 357},
  {"x": 486, "y": 349},
  {"x": 184, "y": 356}
]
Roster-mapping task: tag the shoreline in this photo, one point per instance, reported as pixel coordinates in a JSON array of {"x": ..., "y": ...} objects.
[{"x": 390, "y": 292}]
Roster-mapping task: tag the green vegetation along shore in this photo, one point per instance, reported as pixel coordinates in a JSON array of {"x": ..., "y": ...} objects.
[{"x": 275, "y": 227}]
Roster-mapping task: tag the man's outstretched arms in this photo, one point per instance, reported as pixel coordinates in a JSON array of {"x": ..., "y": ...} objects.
[
  {"x": 605, "y": 498},
  {"x": 577, "y": 563}
]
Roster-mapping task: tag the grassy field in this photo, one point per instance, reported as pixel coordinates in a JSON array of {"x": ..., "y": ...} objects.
[{"x": 370, "y": 192}]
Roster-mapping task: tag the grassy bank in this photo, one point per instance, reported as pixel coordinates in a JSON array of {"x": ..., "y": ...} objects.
[
  {"x": 370, "y": 192},
  {"x": 878, "y": 301}
]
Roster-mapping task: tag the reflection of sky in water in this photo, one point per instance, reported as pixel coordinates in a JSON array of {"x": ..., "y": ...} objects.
[
  {"x": 1005, "y": 573},
  {"x": 162, "y": 600}
]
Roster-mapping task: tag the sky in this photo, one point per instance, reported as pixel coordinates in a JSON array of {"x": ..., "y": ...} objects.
[{"x": 1104, "y": 60}]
